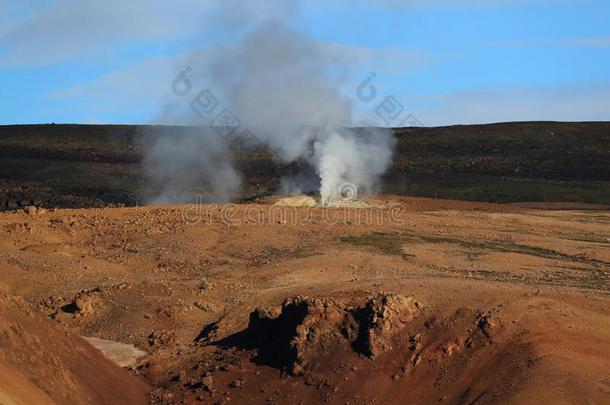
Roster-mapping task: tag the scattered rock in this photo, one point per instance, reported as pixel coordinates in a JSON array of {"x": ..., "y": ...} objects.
[
  {"x": 31, "y": 210},
  {"x": 296, "y": 334},
  {"x": 450, "y": 348},
  {"x": 415, "y": 342},
  {"x": 236, "y": 384},
  {"x": 167, "y": 312},
  {"x": 204, "y": 306},
  {"x": 207, "y": 382},
  {"x": 86, "y": 303},
  {"x": 52, "y": 303},
  {"x": 164, "y": 338},
  {"x": 486, "y": 324},
  {"x": 381, "y": 317}
]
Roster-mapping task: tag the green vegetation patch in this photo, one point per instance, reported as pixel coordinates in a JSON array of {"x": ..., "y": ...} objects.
[
  {"x": 383, "y": 242},
  {"x": 392, "y": 244}
]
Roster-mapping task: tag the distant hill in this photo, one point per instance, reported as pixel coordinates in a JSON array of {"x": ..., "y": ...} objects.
[{"x": 96, "y": 165}]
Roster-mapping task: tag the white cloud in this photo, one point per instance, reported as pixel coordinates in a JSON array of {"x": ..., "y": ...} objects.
[
  {"x": 456, "y": 3},
  {"x": 148, "y": 82},
  {"x": 142, "y": 86},
  {"x": 577, "y": 42},
  {"x": 55, "y": 30},
  {"x": 69, "y": 28},
  {"x": 567, "y": 103},
  {"x": 389, "y": 60}
]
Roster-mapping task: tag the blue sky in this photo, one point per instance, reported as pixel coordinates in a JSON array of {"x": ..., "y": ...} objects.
[{"x": 445, "y": 61}]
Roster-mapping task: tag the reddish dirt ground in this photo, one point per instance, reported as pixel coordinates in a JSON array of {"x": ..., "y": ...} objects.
[
  {"x": 513, "y": 301},
  {"x": 42, "y": 364}
]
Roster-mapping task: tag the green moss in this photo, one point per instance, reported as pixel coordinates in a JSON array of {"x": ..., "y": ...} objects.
[
  {"x": 382, "y": 242},
  {"x": 392, "y": 244}
]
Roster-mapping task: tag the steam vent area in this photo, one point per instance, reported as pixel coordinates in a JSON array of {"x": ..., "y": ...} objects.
[
  {"x": 481, "y": 277},
  {"x": 291, "y": 202}
]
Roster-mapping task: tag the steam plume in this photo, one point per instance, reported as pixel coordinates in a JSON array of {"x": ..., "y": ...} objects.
[{"x": 282, "y": 86}]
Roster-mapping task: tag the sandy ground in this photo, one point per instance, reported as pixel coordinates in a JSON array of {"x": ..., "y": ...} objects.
[{"x": 515, "y": 300}]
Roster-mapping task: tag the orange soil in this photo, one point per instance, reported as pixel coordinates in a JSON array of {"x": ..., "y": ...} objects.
[{"x": 180, "y": 282}]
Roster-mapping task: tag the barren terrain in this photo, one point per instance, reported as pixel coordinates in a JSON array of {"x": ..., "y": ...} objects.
[{"x": 422, "y": 301}]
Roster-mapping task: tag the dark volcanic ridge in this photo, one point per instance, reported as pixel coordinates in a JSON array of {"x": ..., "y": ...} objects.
[{"x": 78, "y": 166}]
